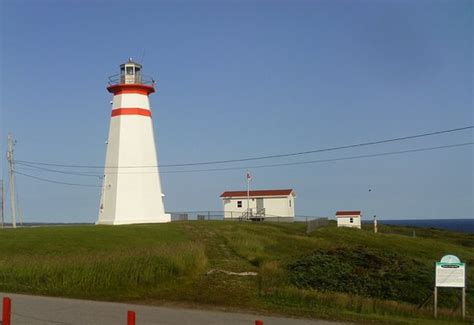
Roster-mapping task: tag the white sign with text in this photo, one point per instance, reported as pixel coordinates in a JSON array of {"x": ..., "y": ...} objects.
[{"x": 450, "y": 272}]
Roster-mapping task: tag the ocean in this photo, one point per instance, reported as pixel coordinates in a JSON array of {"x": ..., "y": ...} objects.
[{"x": 462, "y": 225}]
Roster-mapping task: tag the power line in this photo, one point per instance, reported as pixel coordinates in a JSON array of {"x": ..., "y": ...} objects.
[
  {"x": 32, "y": 167},
  {"x": 390, "y": 153},
  {"x": 323, "y": 160},
  {"x": 264, "y": 157},
  {"x": 323, "y": 150},
  {"x": 55, "y": 182}
]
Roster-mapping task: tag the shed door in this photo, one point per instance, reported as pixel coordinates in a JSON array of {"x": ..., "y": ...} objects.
[{"x": 259, "y": 204}]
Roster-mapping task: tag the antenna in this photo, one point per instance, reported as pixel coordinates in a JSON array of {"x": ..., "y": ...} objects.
[{"x": 143, "y": 57}]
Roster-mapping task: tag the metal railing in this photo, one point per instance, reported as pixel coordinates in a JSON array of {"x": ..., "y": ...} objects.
[
  {"x": 246, "y": 215},
  {"x": 142, "y": 79}
]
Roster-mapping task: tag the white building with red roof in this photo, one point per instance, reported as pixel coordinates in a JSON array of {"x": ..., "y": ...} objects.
[
  {"x": 351, "y": 219},
  {"x": 259, "y": 204}
]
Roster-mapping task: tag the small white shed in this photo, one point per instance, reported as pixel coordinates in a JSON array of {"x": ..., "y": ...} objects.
[
  {"x": 351, "y": 219},
  {"x": 260, "y": 203}
]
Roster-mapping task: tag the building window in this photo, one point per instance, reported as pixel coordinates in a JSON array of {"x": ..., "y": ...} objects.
[
  {"x": 290, "y": 203},
  {"x": 351, "y": 220},
  {"x": 130, "y": 70},
  {"x": 239, "y": 204}
]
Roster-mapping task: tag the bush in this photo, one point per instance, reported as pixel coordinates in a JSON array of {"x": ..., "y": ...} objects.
[{"x": 363, "y": 271}]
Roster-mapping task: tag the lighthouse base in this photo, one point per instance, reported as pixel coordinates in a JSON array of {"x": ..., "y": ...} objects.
[{"x": 130, "y": 221}]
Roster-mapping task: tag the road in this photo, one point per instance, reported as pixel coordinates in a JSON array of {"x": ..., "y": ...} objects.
[{"x": 29, "y": 310}]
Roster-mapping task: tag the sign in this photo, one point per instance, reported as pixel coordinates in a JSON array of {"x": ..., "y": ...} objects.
[
  {"x": 450, "y": 272},
  {"x": 450, "y": 259}
]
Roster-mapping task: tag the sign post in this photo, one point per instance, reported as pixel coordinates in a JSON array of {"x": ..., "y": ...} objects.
[
  {"x": 450, "y": 273},
  {"x": 463, "y": 303}
]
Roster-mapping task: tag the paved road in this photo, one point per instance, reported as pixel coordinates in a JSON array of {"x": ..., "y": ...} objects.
[{"x": 29, "y": 310}]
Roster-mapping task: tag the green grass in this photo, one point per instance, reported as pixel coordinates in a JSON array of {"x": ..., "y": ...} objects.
[{"x": 343, "y": 274}]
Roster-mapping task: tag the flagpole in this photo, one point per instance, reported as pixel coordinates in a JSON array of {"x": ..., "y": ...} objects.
[{"x": 248, "y": 194}]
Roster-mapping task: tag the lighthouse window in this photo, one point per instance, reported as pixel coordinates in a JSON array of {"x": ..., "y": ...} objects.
[{"x": 130, "y": 70}]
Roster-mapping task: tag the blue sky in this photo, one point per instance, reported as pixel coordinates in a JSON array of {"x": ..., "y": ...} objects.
[{"x": 248, "y": 78}]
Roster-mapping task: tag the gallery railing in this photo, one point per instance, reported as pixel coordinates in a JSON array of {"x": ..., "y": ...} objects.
[{"x": 143, "y": 79}]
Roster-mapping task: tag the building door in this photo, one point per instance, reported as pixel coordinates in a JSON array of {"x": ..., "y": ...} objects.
[{"x": 259, "y": 205}]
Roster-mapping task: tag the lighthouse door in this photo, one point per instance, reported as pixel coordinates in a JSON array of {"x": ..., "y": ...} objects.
[{"x": 260, "y": 206}]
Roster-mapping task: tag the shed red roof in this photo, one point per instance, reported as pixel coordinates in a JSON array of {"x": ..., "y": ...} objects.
[
  {"x": 257, "y": 193},
  {"x": 347, "y": 213}
]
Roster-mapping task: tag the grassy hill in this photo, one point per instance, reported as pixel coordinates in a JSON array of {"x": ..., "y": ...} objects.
[{"x": 343, "y": 274}]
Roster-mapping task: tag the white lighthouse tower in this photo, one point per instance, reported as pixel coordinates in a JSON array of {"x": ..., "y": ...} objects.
[{"x": 131, "y": 191}]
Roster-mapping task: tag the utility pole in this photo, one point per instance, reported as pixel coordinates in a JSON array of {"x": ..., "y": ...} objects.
[
  {"x": 2, "y": 204},
  {"x": 12, "y": 178},
  {"x": 370, "y": 207}
]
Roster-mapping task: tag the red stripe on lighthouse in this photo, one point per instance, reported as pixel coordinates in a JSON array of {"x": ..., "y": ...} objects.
[
  {"x": 131, "y": 89},
  {"x": 131, "y": 111}
]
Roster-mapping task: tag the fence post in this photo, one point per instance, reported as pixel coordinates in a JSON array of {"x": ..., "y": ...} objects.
[
  {"x": 208, "y": 215},
  {"x": 131, "y": 318},
  {"x": 463, "y": 308},
  {"x": 6, "y": 314}
]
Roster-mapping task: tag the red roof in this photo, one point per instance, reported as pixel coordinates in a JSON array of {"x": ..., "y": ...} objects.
[
  {"x": 347, "y": 213},
  {"x": 257, "y": 193}
]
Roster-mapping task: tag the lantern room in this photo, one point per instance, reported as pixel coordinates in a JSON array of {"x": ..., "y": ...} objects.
[
  {"x": 131, "y": 78},
  {"x": 130, "y": 72}
]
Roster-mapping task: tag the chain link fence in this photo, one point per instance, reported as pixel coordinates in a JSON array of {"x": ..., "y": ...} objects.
[{"x": 237, "y": 216}]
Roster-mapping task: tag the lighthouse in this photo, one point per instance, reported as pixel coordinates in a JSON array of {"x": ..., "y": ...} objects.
[{"x": 131, "y": 190}]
